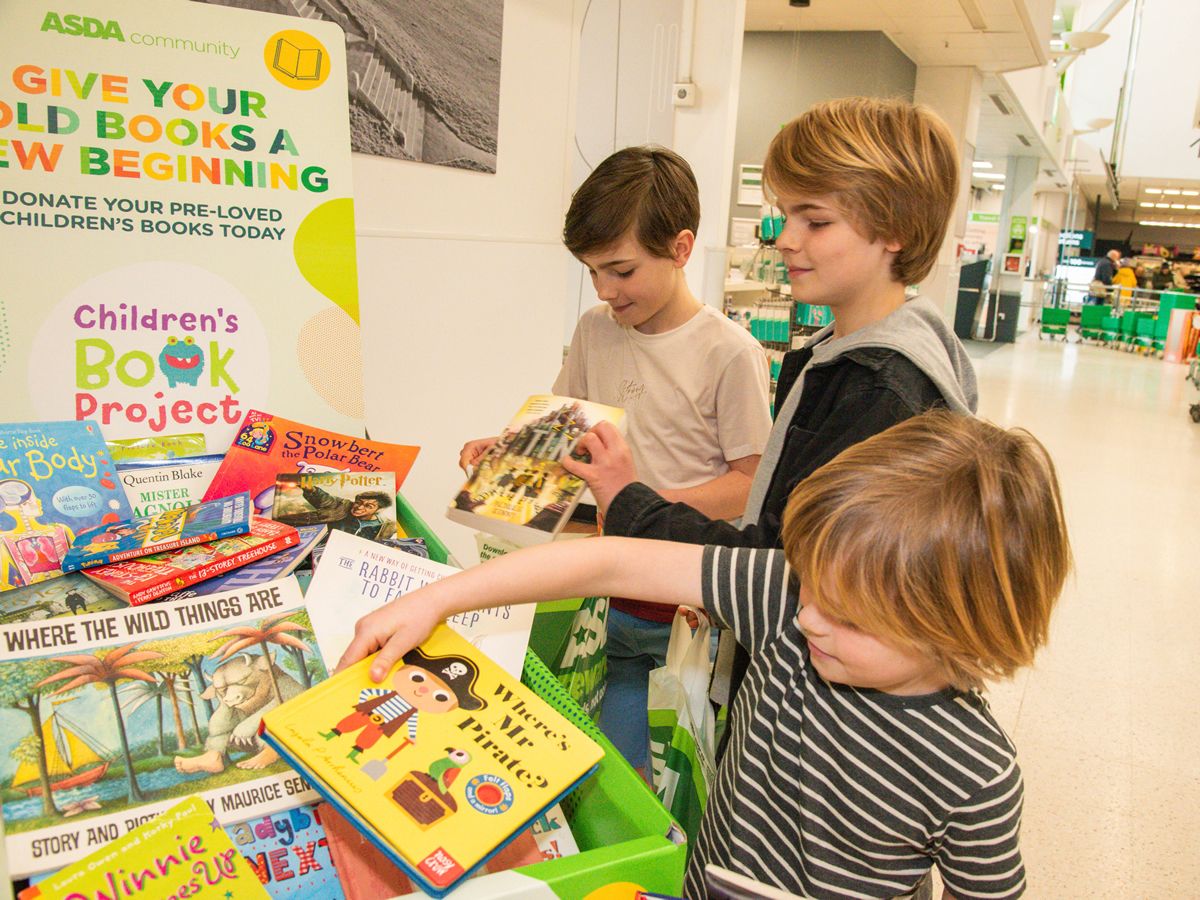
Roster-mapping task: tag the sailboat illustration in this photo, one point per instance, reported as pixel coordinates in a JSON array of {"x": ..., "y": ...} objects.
[{"x": 73, "y": 758}]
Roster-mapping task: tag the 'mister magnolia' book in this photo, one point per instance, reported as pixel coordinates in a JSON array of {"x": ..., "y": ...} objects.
[
  {"x": 361, "y": 503},
  {"x": 170, "y": 530},
  {"x": 268, "y": 445},
  {"x": 177, "y": 854},
  {"x": 154, "y": 486},
  {"x": 358, "y": 576},
  {"x": 150, "y": 577},
  {"x": 56, "y": 480},
  {"x": 519, "y": 489},
  {"x": 80, "y": 697},
  {"x": 441, "y": 764}
]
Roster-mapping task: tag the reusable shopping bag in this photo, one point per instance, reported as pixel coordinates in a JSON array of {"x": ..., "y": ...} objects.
[
  {"x": 581, "y": 662},
  {"x": 682, "y": 742}
]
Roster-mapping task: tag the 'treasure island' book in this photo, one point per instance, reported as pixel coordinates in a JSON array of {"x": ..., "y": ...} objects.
[
  {"x": 56, "y": 480},
  {"x": 441, "y": 764},
  {"x": 170, "y": 530},
  {"x": 519, "y": 490},
  {"x": 268, "y": 445},
  {"x": 150, "y": 577}
]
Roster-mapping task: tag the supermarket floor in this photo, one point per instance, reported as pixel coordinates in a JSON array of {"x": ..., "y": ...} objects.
[{"x": 1107, "y": 724}]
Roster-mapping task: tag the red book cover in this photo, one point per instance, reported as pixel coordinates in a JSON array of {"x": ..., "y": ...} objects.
[
  {"x": 267, "y": 446},
  {"x": 151, "y": 577}
]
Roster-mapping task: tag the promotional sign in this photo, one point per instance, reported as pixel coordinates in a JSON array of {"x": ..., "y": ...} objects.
[
  {"x": 1080, "y": 239},
  {"x": 177, "y": 218}
]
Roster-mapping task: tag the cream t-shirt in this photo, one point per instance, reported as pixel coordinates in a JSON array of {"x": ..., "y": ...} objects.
[{"x": 694, "y": 397}]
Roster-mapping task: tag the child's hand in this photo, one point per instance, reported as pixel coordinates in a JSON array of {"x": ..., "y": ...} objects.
[
  {"x": 473, "y": 451},
  {"x": 611, "y": 465},
  {"x": 393, "y": 629}
]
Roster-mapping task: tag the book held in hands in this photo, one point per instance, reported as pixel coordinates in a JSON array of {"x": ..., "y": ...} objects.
[
  {"x": 519, "y": 489},
  {"x": 440, "y": 764}
]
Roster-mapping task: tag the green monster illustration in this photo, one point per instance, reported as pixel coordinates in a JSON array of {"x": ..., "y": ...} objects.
[
  {"x": 181, "y": 361},
  {"x": 445, "y": 770}
]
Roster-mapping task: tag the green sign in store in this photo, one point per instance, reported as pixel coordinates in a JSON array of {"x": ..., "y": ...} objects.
[{"x": 1016, "y": 234}]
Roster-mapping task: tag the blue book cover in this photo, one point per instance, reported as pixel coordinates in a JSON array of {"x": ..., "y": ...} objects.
[
  {"x": 169, "y": 530},
  {"x": 56, "y": 481},
  {"x": 277, "y": 565}
]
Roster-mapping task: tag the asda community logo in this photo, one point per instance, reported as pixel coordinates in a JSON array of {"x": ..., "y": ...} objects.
[{"x": 83, "y": 26}]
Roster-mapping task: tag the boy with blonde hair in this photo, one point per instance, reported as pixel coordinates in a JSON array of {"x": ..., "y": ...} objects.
[
  {"x": 929, "y": 558},
  {"x": 868, "y": 187}
]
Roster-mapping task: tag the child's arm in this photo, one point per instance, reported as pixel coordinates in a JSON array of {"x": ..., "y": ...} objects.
[{"x": 654, "y": 571}]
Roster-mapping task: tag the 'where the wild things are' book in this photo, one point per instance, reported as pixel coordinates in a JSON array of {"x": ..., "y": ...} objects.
[
  {"x": 56, "y": 481},
  {"x": 519, "y": 489},
  {"x": 170, "y": 530},
  {"x": 441, "y": 764},
  {"x": 178, "y": 854},
  {"x": 359, "y": 503},
  {"x": 159, "y": 574},
  {"x": 267, "y": 446},
  {"x": 113, "y": 717}
]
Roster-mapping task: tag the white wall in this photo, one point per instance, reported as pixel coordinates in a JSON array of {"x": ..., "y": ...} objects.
[{"x": 461, "y": 274}]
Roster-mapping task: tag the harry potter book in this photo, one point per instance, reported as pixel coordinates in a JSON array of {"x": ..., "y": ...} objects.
[
  {"x": 519, "y": 489},
  {"x": 169, "y": 530},
  {"x": 441, "y": 764},
  {"x": 56, "y": 481},
  {"x": 150, "y": 577},
  {"x": 359, "y": 503}
]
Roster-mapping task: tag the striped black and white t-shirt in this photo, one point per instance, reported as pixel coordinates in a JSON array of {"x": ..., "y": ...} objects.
[{"x": 833, "y": 791}]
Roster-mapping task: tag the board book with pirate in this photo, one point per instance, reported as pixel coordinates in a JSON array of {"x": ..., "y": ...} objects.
[{"x": 440, "y": 764}]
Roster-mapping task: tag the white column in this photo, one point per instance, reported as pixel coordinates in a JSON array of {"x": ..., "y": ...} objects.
[{"x": 953, "y": 92}]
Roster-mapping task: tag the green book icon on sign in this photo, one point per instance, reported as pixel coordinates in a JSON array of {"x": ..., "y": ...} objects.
[{"x": 303, "y": 65}]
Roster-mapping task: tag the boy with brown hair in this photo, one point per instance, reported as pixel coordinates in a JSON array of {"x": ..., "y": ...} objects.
[
  {"x": 916, "y": 564},
  {"x": 693, "y": 384},
  {"x": 868, "y": 187}
]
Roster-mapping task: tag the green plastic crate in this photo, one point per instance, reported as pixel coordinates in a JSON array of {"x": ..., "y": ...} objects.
[
  {"x": 413, "y": 525},
  {"x": 623, "y": 832}
]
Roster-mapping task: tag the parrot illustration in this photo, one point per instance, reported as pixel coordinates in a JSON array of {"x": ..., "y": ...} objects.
[{"x": 444, "y": 771}]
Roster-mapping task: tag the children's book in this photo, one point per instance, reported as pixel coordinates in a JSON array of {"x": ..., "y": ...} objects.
[
  {"x": 81, "y": 695},
  {"x": 360, "y": 503},
  {"x": 155, "y": 486},
  {"x": 441, "y": 764},
  {"x": 170, "y": 530},
  {"x": 177, "y": 854},
  {"x": 290, "y": 853},
  {"x": 519, "y": 489},
  {"x": 357, "y": 577},
  {"x": 141, "y": 580},
  {"x": 268, "y": 445},
  {"x": 277, "y": 565},
  {"x": 56, "y": 481},
  {"x": 71, "y": 595}
]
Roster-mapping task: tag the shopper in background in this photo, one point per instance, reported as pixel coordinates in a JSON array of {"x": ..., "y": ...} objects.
[
  {"x": 1102, "y": 278},
  {"x": 929, "y": 558},
  {"x": 693, "y": 384},
  {"x": 868, "y": 187},
  {"x": 1125, "y": 281}
]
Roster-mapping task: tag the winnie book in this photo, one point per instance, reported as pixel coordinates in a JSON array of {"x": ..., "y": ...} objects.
[
  {"x": 170, "y": 530},
  {"x": 359, "y": 503},
  {"x": 519, "y": 489},
  {"x": 441, "y": 764},
  {"x": 57, "y": 480},
  {"x": 181, "y": 853},
  {"x": 150, "y": 577},
  {"x": 268, "y": 445}
]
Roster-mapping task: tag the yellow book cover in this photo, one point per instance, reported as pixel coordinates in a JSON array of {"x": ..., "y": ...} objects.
[
  {"x": 182, "y": 853},
  {"x": 519, "y": 489},
  {"x": 441, "y": 763}
]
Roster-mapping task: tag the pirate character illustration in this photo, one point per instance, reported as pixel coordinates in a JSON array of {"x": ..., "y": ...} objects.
[{"x": 424, "y": 684}]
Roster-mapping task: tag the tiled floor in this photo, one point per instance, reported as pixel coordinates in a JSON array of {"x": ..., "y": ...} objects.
[{"x": 1107, "y": 724}]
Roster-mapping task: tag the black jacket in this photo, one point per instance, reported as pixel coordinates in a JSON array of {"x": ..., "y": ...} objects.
[{"x": 845, "y": 400}]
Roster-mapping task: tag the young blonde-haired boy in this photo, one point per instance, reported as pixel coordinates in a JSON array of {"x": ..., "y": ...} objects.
[
  {"x": 929, "y": 558},
  {"x": 868, "y": 187}
]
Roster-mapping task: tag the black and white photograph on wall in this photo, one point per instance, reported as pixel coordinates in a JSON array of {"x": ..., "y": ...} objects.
[{"x": 424, "y": 75}]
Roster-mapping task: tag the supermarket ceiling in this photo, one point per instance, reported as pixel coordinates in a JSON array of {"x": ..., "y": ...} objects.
[{"x": 992, "y": 35}]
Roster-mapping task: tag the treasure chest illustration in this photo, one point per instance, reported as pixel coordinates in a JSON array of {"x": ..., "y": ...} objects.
[{"x": 419, "y": 795}]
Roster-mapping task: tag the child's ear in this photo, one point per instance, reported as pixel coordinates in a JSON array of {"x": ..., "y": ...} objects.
[
  {"x": 682, "y": 246},
  {"x": 893, "y": 246}
]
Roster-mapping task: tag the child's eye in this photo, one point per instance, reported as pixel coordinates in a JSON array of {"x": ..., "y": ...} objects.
[
  {"x": 817, "y": 224},
  {"x": 624, "y": 274}
]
